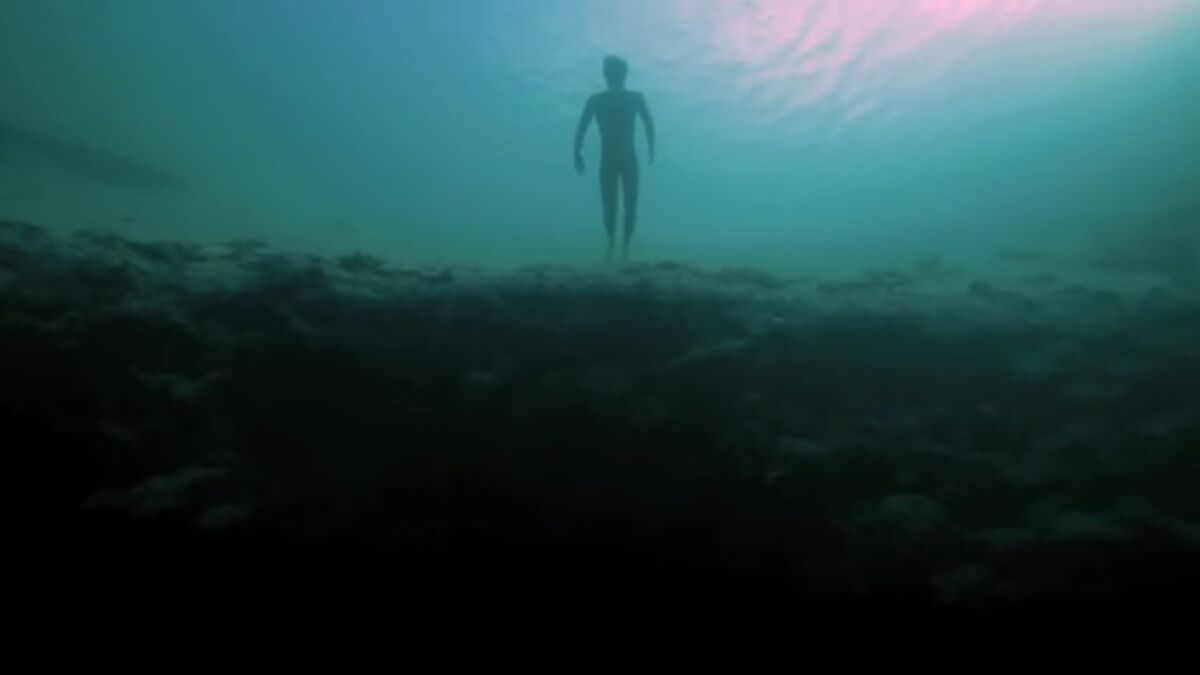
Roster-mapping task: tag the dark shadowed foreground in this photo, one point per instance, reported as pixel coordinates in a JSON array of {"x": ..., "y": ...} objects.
[{"x": 658, "y": 446}]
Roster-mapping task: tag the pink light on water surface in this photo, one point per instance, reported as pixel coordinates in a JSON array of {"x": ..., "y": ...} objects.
[{"x": 796, "y": 53}]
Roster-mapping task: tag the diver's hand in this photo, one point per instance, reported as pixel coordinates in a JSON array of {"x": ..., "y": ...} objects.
[{"x": 579, "y": 167}]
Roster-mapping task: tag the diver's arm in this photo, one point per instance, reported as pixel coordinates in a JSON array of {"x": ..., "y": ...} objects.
[
  {"x": 585, "y": 119},
  {"x": 648, "y": 120}
]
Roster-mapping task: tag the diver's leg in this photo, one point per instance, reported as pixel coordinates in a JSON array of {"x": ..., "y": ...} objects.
[
  {"x": 608, "y": 198},
  {"x": 629, "y": 185}
]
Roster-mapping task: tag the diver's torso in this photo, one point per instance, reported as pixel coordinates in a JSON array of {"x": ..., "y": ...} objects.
[{"x": 616, "y": 112}]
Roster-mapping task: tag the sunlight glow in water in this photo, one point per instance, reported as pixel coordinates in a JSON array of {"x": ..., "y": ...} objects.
[{"x": 792, "y": 54}]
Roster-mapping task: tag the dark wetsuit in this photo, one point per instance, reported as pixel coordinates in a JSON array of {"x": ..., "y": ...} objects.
[{"x": 616, "y": 112}]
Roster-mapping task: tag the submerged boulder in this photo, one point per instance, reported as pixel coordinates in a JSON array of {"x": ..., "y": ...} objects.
[
  {"x": 1009, "y": 300},
  {"x": 969, "y": 585},
  {"x": 224, "y": 517},
  {"x": 903, "y": 529},
  {"x": 171, "y": 492}
]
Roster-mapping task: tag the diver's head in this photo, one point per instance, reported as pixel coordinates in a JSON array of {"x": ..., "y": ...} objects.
[{"x": 615, "y": 71}]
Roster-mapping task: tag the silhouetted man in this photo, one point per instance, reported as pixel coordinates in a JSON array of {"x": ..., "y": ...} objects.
[{"x": 615, "y": 111}]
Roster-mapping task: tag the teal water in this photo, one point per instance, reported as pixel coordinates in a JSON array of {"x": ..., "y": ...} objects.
[
  {"x": 796, "y": 135},
  {"x": 920, "y": 332}
]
